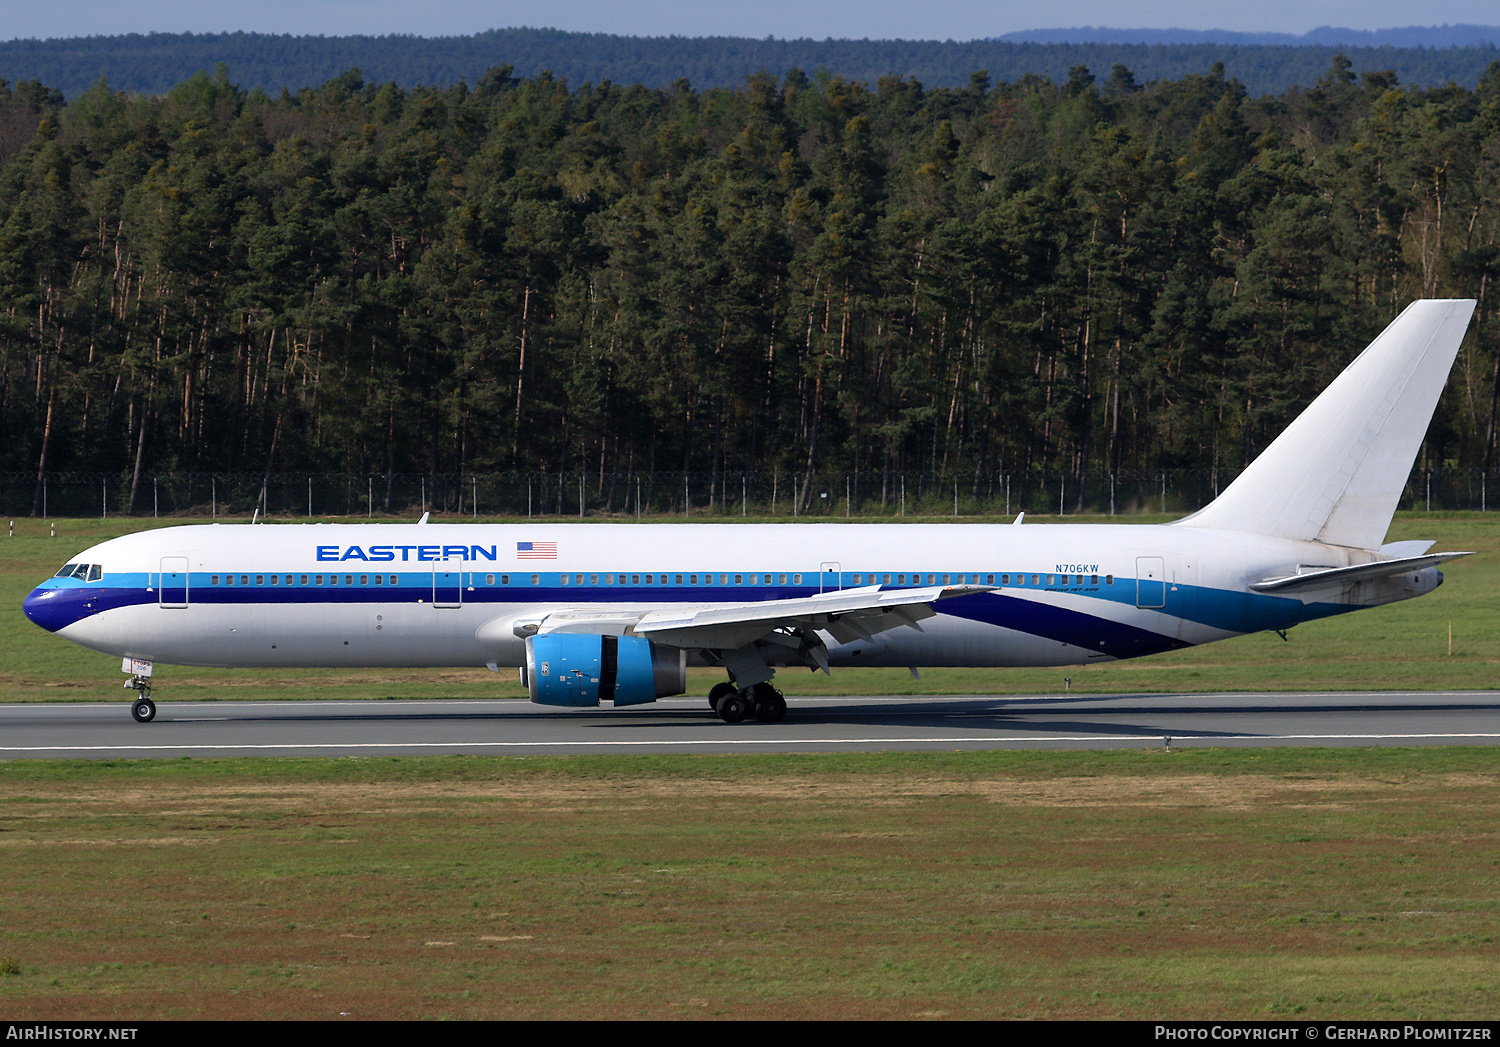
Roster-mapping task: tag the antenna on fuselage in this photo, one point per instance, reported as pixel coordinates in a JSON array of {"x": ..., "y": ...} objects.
[
  {"x": 1019, "y": 517},
  {"x": 424, "y": 519}
]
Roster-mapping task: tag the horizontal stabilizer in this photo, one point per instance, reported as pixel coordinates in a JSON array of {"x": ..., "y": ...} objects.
[{"x": 1321, "y": 578}]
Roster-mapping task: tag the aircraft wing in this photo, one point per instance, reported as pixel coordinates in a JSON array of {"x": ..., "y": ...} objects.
[
  {"x": 846, "y": 614},
  {"x": 1319, "y": 578}
]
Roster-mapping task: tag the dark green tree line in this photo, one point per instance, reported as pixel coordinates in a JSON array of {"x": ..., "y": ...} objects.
[{"x": 797, "y": 275}]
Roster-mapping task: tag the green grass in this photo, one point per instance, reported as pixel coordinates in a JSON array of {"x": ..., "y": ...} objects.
[
  {"x": 1400, "y": 646},
  {"x": 1298, "y": 884},
  {"x": 1312, "y": 884}
]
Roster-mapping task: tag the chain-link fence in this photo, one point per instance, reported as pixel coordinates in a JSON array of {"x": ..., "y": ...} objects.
[{"x": 631, "y": 494}]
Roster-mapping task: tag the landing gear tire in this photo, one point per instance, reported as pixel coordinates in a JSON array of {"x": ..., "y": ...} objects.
[
  {"x": 733, "y": 708},
  {"x": 144, "y": 710},
  {"x": 719, "y": 692},
  {"x": 770, "y": 706}
]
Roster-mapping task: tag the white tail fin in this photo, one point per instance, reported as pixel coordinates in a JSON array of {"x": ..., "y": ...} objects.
[{"x": 1337, "y": 471}]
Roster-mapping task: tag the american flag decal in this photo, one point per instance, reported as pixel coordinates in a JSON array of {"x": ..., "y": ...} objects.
[{"x": 536, "y": 550}]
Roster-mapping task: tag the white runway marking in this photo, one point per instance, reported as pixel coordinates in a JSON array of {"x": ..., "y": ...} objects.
[{"x": 888, "y": 740}]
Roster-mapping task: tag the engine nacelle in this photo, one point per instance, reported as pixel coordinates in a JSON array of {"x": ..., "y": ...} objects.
[{"x": 578, "y": 669}]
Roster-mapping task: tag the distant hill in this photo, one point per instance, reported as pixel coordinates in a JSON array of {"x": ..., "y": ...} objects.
[
  {"x": 1324, "y": 36},
  {"x": 154, "y": 63}
]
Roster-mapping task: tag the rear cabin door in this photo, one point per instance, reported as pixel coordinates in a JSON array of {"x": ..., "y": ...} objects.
[{"x": 1150, "y": 582}]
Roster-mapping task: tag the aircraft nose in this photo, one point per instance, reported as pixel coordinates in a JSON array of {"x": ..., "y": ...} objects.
[{"x": 53, "y": 609}]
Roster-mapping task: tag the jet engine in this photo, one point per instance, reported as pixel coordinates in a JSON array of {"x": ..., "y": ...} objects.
[{"x": 578, "y": 669}]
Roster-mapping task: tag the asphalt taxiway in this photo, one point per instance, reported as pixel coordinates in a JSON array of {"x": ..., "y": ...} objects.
[{"x": 388, "y": 727}]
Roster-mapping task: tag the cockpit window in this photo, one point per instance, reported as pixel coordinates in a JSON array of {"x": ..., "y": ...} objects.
[
  {"x": 96, "y": 571},
  {"x": 84, "y": 572},
  {"x": 67, "y": 570}
]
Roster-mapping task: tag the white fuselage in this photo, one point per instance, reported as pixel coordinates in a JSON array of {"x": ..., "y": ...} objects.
[{"x": 449, "y": 594}]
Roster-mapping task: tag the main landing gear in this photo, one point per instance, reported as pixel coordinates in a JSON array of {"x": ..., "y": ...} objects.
[
  {"x": 734, "y": 705},
  {"x": 143, "y": 708}
]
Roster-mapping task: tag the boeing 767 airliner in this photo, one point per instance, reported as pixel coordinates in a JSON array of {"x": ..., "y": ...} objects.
[{"x": 617, "y": 612}]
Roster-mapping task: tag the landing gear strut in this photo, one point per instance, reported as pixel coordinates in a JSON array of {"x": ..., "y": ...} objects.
[{"x": 143, "y": 708}]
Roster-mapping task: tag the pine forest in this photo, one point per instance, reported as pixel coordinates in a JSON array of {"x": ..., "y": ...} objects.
[{"x": 800, "y": 277}]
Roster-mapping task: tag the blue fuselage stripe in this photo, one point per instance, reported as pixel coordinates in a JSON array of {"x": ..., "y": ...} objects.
[{"x": 61, "y": 601}]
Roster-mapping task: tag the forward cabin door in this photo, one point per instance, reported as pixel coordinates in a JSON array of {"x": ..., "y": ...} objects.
[{"x": 172, "y": 584}]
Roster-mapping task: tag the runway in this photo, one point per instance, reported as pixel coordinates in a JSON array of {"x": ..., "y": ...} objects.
[{"x": 852, "y": 724}]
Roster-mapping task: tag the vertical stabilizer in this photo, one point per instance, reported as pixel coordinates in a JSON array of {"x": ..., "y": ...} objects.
[{"x": 1335, "y": 474}]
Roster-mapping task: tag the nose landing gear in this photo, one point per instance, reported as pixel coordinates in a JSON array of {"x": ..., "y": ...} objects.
[{"x": 143, "y": 708}]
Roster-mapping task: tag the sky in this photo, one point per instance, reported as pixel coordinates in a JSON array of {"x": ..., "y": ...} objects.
[{"x": 875, "y": 19}]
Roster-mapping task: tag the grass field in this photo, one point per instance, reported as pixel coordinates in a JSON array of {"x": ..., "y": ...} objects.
[
  {"x": 1298, "y": 884},
  {"x": 1265, "y": 884},
  {"x": 1405, "y": 645}
]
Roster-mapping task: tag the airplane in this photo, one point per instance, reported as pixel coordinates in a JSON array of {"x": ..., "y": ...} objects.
[{"x": 594, "y": 613}]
